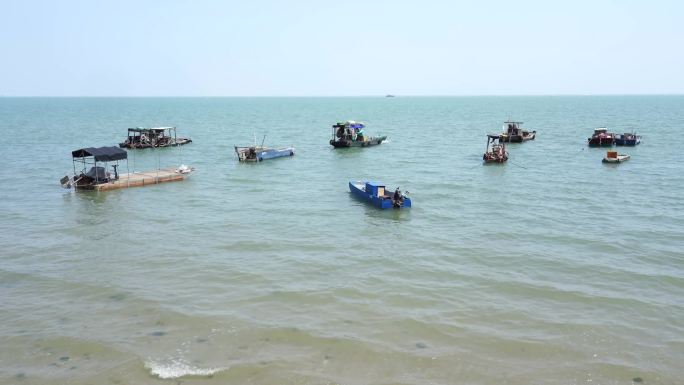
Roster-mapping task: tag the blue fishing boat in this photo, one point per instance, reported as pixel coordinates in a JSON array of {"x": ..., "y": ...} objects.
[
  {"x": 258, "y": 154},
  {"x": 375, "y": 194},
  {"x": 627, "y": 139}
]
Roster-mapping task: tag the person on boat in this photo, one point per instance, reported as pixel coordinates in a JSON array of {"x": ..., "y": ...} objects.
[{"x": 397, "y": 198}]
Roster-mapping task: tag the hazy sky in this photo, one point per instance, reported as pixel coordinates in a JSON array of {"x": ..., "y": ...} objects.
[{"x": 262, "y": 47}]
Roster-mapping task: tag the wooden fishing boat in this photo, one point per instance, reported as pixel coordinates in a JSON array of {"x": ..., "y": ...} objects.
[
  {"x": 495, "y": 151},
  {"x": 614, "y": 157},
  {"x": 376, "y": 195},
  {"x": 96, "y": 175},
  {"x": 627, "y": 139},
  {"x": 141, "y": 137},
  {"x": 513, "y": 133},
  {"x": 350, "y": 134},
  {"x": 260, "y": 153},
  {"x": 601, "y": 138}
]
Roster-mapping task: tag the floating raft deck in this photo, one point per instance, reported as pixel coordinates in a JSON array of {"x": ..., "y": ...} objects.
[{"x": 140, "y": 179}]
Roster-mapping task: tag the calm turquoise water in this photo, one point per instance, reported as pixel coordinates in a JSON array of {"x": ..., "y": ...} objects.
[{"x": 551, "y": 269}]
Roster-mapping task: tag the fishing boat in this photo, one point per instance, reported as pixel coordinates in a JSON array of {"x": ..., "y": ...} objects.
[
  {"x": 614, "y": 157},
  {"x": 350, "y": 134},
  {"x": 627, "y": 139},
  {"x": 601, "y": 138},
  {"x": 95, "y": 173},
  {"x": 513, "y": 133},
  {"x": 375, "y": 194},
  {"x": 260, "y": 153},
  {"x": 495, "y": 151},
  {"x": 141, "y": 137}
]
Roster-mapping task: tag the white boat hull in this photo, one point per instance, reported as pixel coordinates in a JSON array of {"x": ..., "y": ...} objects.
[{"x": 618, "y": 159}]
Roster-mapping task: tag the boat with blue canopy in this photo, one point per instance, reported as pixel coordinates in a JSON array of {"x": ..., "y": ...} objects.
[
  {"x": 350, "y": 134},
  {"x": 376, "y": 194}
]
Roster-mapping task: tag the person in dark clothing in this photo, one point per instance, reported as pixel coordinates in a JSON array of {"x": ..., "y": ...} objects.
[{"x": 397, "y": 198}]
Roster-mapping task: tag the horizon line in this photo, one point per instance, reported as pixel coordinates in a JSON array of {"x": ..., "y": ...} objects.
[{"x": 336, "y": 96}]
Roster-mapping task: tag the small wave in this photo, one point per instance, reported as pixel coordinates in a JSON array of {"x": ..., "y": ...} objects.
[{"x": 178, "y": 368}]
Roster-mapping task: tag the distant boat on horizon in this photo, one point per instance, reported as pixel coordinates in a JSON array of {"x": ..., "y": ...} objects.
[{"x": 389, "y": 96}]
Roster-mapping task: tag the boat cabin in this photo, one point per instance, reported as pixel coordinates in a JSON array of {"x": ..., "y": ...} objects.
[
  {"x": 375, "y": 189},
  {"x": 94, "y": 163},
  {"x": 513, "y": 128},
  {"x": 140, "y": 137},
  {"x": 349, "y": 130}
]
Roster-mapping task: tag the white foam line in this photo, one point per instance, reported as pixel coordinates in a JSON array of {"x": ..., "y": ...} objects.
[{"x": 176, "y": 368}]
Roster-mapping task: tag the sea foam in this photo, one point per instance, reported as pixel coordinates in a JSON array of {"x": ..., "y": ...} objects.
[{"x": 176, "y": 368}]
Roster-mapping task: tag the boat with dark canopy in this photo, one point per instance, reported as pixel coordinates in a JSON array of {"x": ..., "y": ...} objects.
[
  {"x": 94, "y": 170},
  {"x": 375, "y": 194},
  {"x": 141, "y": 137},
  {"x": 350, "y": 134},
  {"x": 99, "y": 170},
  {"x": 513, "y": 133},
  {"x": 495, "y": 152}
]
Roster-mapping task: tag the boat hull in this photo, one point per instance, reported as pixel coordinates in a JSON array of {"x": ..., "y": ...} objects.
[
  {"x": 267, "y": 154},
  {"x": 627, "y": 142},
  {"x": 518, "y": 138},
  {"x": 618, "y": 159},
  {"x": 358, "y": 191},
  {"x": 371, "y": 141},
  {"x": 178, "y": 142},
  {"x": 601, "y": 142}
]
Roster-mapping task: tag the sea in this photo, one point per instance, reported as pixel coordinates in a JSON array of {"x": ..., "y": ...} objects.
[{"x": 553, "y": 268}]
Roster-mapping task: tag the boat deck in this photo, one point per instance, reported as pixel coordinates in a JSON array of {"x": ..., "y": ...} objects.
[{"x": 139, "y": 179}]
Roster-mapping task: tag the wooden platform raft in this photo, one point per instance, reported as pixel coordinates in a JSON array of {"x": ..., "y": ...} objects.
[{"x": 140, "y": 179}]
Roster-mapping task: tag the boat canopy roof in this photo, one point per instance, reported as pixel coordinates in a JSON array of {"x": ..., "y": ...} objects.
[
  {"x": 350, "y": 124},
  {"x": 493, "y": 136},
  {"x": 510, "y": 121},
  {"x": 151, "y": 129},
  {"x": 101, "y": 154},
  {"x": 375, "y": 184}
]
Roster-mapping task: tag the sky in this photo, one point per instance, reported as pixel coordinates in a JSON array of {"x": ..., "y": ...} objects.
[{"x": 340, "y": 48}]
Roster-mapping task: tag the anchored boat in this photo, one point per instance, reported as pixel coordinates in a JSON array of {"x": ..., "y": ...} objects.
[
  {"x": 95, "y": 173},
  {"x": 350, "y": 134},
  {"x": 614, "y": 157},
  {"x": 258, "y": 154},
  {"x": 601, "y": 138},
  {"x": 375, "y": 194},
  {"x": 513, "y": 133},
  {"x": 141, "y": 137},
  {"x": 628, "y": 139},
  {"x": 495, "y": 151}
]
